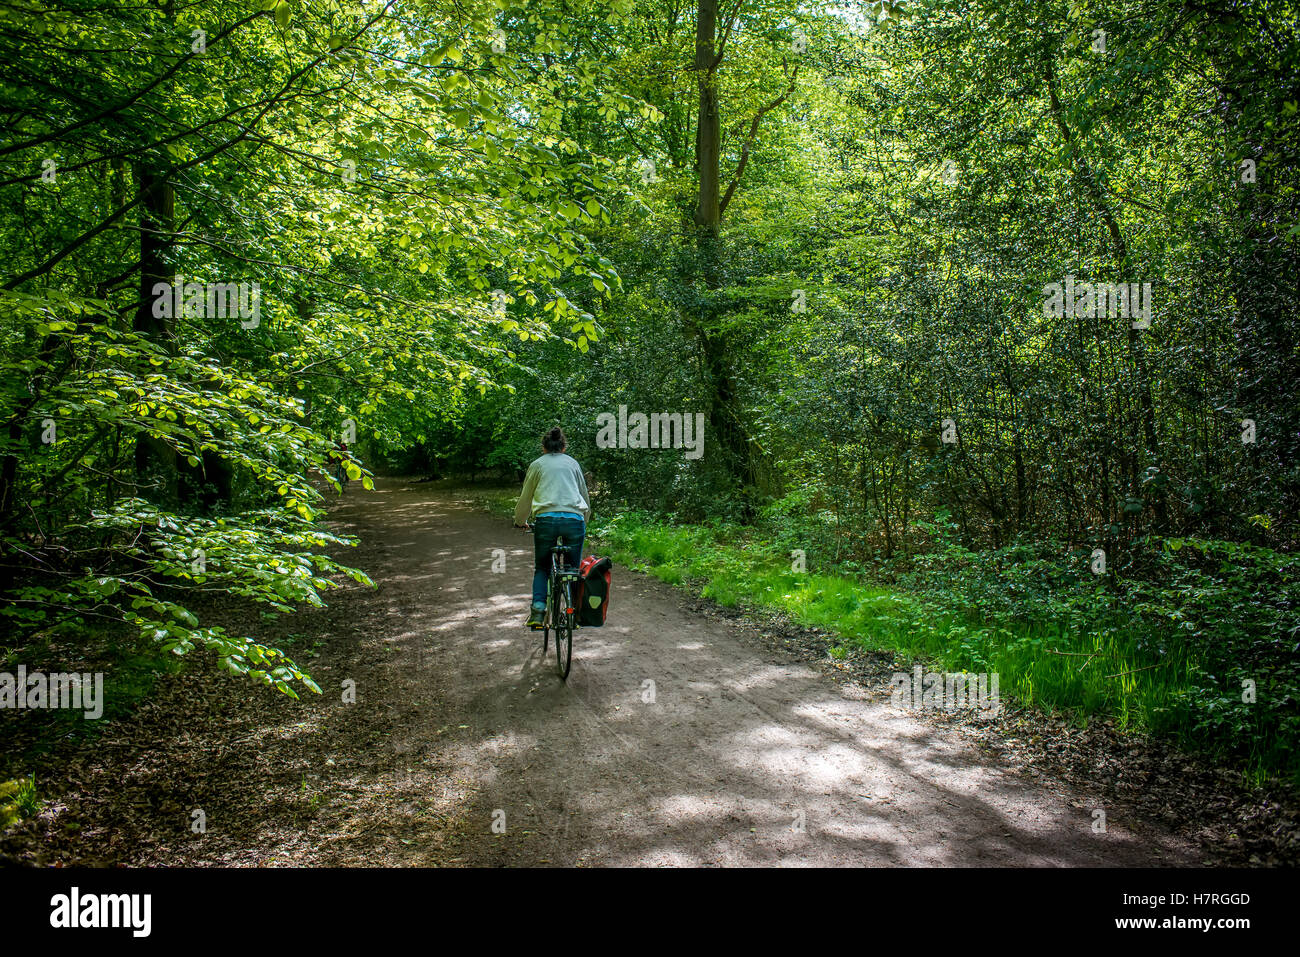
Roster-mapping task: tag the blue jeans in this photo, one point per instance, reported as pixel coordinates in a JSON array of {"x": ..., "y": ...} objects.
[{"x": 546, "y": 531}]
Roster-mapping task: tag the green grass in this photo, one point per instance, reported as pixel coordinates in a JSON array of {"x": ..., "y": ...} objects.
[
  {"x": 1082, "y": 655},
  {"x": 1164, "y": 651},
  {"x": 18, "y": 800}
]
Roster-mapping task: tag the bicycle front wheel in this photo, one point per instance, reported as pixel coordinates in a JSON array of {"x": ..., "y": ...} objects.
[{"x": 564, "y": 634}]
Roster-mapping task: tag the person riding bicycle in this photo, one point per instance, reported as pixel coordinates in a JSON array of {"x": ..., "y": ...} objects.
[
  {"x": 555, "y": 499},
  {"x": 340, "y": 467}
]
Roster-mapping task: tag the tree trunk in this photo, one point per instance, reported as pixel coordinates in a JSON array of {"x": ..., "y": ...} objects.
[
  {"x": 155, "y": 461},
  {"x": 708, "y": 128},
  {"x": 725, "y": 423}
]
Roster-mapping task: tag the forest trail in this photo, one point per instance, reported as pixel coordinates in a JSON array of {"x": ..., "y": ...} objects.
[
  {"x": 460, "y": 722},
  {"x": 735, "y": 751}
]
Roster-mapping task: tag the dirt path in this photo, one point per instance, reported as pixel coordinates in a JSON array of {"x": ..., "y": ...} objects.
[
  {"x": 733, "y": 755},
  {"x": 460, "y": 722}
]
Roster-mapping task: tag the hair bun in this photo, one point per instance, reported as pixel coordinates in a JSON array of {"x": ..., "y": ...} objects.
[{"x": 554, "y": 440}]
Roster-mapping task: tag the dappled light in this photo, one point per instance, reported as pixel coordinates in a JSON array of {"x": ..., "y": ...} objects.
[{"x": 655, "y": 433}]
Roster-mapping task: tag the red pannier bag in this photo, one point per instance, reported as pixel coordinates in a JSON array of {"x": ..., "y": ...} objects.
[{"x": 592, "y": 600}]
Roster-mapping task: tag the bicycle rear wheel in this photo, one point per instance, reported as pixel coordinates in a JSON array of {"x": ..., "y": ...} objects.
[{"x": 564, "y": 631}]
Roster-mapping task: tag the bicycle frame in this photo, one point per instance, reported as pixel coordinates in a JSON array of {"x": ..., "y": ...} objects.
[{"x": 560, "y": 576}]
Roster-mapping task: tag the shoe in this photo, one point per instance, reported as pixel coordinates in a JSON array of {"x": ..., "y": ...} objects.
[{"x": 535, "y": 618}]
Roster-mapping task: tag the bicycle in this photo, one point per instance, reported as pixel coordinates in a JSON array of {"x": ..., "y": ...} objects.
[
  {"x": 559, "y": 615},
  {"x": 341, "y": 467}
]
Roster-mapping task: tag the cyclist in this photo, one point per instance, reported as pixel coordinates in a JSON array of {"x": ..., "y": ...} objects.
[
  {"x": 340, "y": 467},
  {"x": 555, "y": 499}
]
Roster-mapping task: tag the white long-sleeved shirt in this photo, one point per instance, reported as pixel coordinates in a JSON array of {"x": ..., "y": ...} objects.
[{"x": 554, "y": 483}]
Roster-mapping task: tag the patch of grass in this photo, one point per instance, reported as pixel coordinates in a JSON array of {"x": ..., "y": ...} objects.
[
  {"x": 18, "y": 800},
  {"x": 1058, "y": 643}
]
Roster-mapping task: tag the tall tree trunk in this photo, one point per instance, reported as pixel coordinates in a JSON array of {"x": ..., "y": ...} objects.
[
  {"x": 725, "y": 423},
  {"x": 708, "y": 128},
  {"x": 155, "y": 461}
]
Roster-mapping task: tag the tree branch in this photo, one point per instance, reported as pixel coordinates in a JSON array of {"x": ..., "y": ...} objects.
[{"x": 749, "y": 140}]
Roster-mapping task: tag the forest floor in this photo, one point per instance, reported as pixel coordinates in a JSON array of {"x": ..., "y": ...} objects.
[{"x": 464, "y": 747}]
